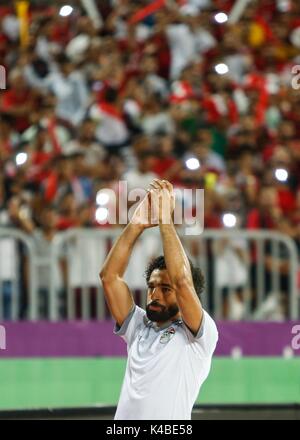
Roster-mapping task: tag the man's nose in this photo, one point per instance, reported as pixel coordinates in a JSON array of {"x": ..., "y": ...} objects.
[{"x": 155, "y": 294}]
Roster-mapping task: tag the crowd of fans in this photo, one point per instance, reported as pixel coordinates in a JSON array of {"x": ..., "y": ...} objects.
[{"x": 87, "y": 106}]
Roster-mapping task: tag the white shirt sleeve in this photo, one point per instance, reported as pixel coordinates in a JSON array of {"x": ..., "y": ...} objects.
[
  {"x": 132, "y": 323},
  {"x": 204, "y": 342}
]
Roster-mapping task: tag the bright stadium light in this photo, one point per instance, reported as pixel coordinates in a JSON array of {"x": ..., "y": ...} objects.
[
  {"x": 284, "y": 5},
  {"x": 21, "y": 158},
  {"x": 66, "y": 10},
  {"x": 221, "y": 69},
  {"x": 192, "y": 163},
  {"x": 281, "y": 174},
  {"x": 221, "y": 17},
  {"x": 101, "y": 214},
  {"x": 229, "y": 220},
  {"x": 102, "y": 198}
]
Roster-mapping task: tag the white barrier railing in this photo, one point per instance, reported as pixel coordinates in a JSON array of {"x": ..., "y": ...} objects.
[
  {"x": 12, "y": 238},
  {"x": 251, "y": 264}
]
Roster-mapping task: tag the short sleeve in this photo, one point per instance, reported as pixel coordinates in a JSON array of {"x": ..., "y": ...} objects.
[
  {"x": 132, "y": 323},
  {"x": 205, "y": 341}
]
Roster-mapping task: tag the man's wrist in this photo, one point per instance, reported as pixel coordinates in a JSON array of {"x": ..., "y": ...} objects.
[
  {"x": 136, "y": 227},
  {"x": 166, "y": 224}
]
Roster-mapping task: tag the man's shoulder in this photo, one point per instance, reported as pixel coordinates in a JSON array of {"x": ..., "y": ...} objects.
[{"x": 207, "y": 334}]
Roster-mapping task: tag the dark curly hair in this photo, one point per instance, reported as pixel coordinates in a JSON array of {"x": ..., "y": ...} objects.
[{"x": 159, "y": 263}]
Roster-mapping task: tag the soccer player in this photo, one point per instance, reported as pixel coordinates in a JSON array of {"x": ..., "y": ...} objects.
[{"x": 170, "y": 345}]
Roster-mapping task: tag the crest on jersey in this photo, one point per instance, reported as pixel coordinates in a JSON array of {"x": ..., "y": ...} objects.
[{"x": 167, "y": 335}]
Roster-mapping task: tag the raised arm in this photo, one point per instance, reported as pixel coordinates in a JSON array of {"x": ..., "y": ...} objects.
[
  {"x": 177, "y": 263},
  {"x": 118, "y": 296}
]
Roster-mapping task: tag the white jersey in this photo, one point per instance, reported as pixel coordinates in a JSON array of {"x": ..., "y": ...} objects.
[{"x": 165, "y": 369}]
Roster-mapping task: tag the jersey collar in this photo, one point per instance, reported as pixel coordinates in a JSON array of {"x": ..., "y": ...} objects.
[{"x": 157, "y": 328}]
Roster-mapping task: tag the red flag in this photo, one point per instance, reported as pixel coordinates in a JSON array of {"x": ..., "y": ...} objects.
[
  {"x": 150, "y": 9},
  {"x": 147, "y": 10}
]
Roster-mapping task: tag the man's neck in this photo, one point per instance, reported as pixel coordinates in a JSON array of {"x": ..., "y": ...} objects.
[{"x": 166, "y": 324}]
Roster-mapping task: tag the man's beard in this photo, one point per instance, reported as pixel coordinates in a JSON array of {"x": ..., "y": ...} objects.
[{"x": 162, "y": 315}]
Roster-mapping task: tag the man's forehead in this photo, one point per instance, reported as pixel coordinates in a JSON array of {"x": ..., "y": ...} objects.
[{"x": 160, "y": 275}]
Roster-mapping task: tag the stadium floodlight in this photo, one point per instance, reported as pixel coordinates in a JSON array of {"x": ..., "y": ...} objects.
[
  {"x": 229, "y": 220},
  {"x": 102, "y": 198},
  {"x": 221, "y": 69},
  {"x": 65, "y": 11},
  {"x": 284, "y": 5},
  {"x": 221, "y": 17},
  {"x": 101, "y": 214},
  {"x": 21, "y": 158},
  {"x": 192, "y": 163},
  {"x": 281, "y": 174}
]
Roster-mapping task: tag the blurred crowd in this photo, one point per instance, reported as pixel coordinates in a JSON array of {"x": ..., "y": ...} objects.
[{"x": 182, "y": 94}]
